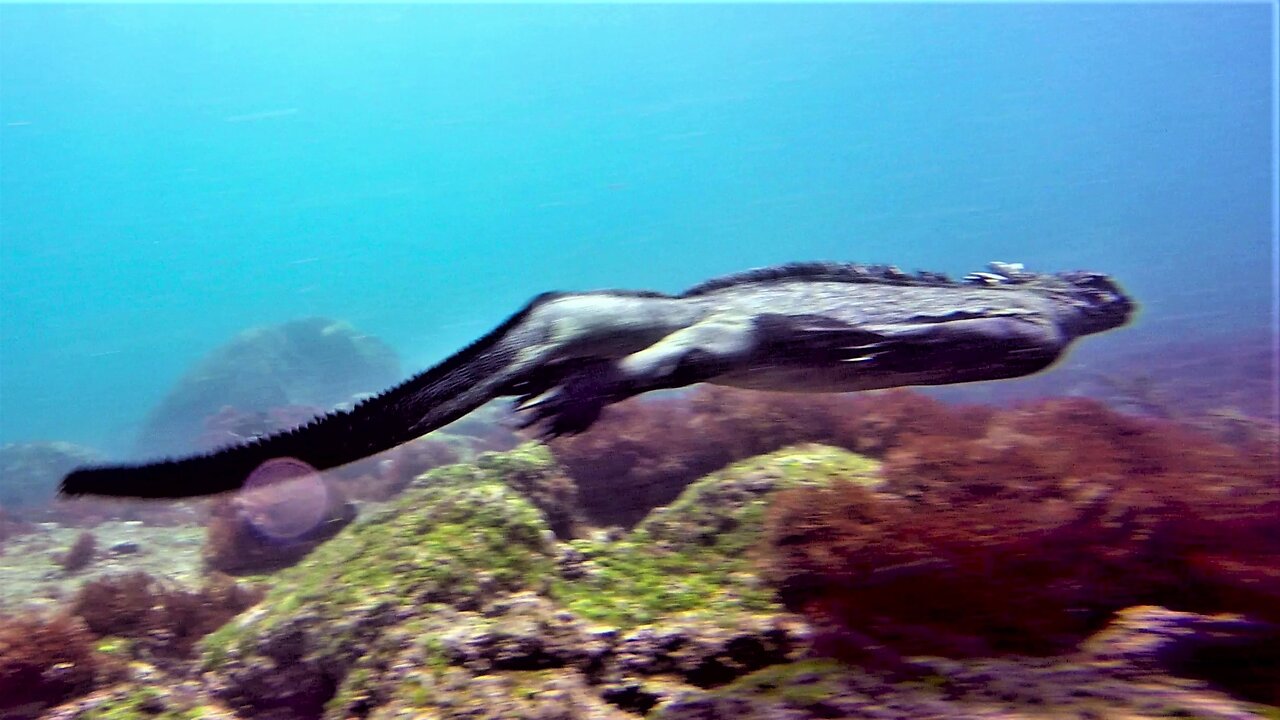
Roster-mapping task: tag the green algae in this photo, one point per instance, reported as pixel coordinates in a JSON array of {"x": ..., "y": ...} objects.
[
  {"x": 527, "y": 464},
  {"x": 695, "y": 556},
  {"x": 799, "y": 684},
  {"x": 355, "y": 689},
  {"x": 143, "y": 701},
  {"x": 114, "y": 646}
]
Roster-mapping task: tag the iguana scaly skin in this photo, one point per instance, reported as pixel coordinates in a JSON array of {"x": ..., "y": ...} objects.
[{"x": 816, "y": 327}]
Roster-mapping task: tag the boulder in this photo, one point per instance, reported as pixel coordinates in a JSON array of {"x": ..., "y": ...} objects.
[
  {"x": 30, "y": 472},
  {"x": 315, "y": 362}
]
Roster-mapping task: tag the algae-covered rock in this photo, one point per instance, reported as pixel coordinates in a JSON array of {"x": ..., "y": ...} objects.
[
  {"x": 521, "y": 695},
  {"x": 458, "y": 601},
  {"x": 531, "y": 471},
  {"x": 143, "y": 697},
  {"x": 457, "y": 536},
  {"x": 519, "y": 657},
  {"x": 695, "y": 555}
]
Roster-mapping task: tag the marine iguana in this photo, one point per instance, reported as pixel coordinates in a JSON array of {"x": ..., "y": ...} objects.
[{"x": 817, "y": 327}]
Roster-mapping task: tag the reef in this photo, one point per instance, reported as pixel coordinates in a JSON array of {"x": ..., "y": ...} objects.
[
  {"x": 463, "y": 575},
  {"x": 460, "y": 601},
  {"x": 385, "y": 475},
  {"x": 160, "y": 622},
  {"x": 883, "y": 555},
  {"x": 12, "y": 526}
]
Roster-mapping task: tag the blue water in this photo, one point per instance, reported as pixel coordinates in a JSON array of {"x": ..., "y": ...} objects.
[{"x": 171, "y": 175}]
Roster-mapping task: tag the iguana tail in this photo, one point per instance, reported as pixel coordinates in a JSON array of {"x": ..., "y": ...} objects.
[{"x": 432, "y": 399}]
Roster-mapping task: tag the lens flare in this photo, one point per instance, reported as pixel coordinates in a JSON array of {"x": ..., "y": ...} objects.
[{"x": 284, "y": 499}]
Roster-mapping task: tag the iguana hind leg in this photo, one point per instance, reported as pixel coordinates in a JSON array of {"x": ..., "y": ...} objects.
[{"x": 572, "y": 402}]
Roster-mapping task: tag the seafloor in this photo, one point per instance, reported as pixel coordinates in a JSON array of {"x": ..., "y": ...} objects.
[{"x": 718, "y": 555}]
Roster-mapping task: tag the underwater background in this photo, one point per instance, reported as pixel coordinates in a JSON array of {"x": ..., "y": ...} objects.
[
  {"x": 172, "y": 175},
  {"x": 219, "y": 222}
]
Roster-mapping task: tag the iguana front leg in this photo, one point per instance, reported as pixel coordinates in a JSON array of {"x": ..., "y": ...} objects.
[{"x": 570, "y": 402}]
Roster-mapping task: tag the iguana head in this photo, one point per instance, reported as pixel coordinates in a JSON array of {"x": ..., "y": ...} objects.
[
  {"x": 1089, "y": 302},
  {"x": 1096, "y": 300}
]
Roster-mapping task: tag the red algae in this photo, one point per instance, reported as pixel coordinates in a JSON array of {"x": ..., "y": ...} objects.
[
  {"x": 80, "y": 554},
  {"x": 1028, "y": 534},
  {"x": 163, "y": 621},
  {"x": 44, "y": 661},
  {"x": 642, "y": 453}
]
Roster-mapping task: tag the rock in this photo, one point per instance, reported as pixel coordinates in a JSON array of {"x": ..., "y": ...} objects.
[
  {"x": 125, "y": 547},
  {"x": 704, "y": 653},
  {"x": 523, "y": 631},
  {"x": 80, "y": 554},
  {"x": 1149, "y": 638},
  {"x": 11, "y": 525},
  {"x": 730, "y": 501},
  {"x": 526, "y": 695},
  {"x": 1231, "y": 651},
  {"x": 142, "y": 695},
  {"x": 312, "y": 362},
  {"x": 30, "y": 472},
  {"x": 1007, "y": 689}
]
